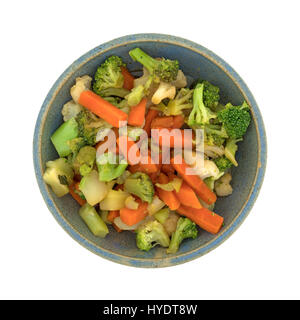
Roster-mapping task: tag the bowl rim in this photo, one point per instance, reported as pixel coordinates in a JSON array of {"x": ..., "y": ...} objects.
[{"x": 229, "y": 229}]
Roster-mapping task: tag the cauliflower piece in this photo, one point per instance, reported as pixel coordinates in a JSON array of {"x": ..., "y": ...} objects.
[
  {"x": 82, "y": 84},
  {"x": 70, "y": 110},
  {"x": 143, "y": 79},
  {"x": 180, "y": 81},
  {"x": 209, "y": 168},
  {"x": 165, "y": 90},
  {"x": 223, "y": 187}
]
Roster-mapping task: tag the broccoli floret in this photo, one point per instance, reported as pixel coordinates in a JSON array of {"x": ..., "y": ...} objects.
[
  {"x": 223, "y": 163},
  {"x": 109, "y": 75},
  {"x": 162, "y": 70},
  {"x": 200, "y": 114},
  {"x": 185, "y": 229},
  {"x": 140, "y": 185},
  {"x": 230, "y": 150},
  {"x": 211, "y": 95},
  {"x": 84, "y": 160},
  {"x": 182, "y": 101},
  {"x": 115, "y": 92},
  {"x": 215, "y": 134},
  {"x": 113, "y": 100},
  {"x": 150, "y": 234},
  {"x": 136, "y": 95},
  {"x": 59, "y": 175},
  {"x": 236, "y": 119},
  {"x": 87, "y": 127},
  {"x": 108, "y": 170}
]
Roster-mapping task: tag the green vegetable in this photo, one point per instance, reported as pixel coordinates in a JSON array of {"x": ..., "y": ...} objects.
[
  {"x": 135, "y": 96},
  {"x": 185, "y": 229},
  {"x": 223, "y": 163},
  {"x": 162, "y": 70},
  {"x": 84, "y": 161},
  {"x": 108, "y": 170},
  {"x": 210, "y": 182},
  {"x": 88, "y": 127},
  {"x": 103, "y": 215},
  {"x": 200, "y": 114},
  {"x": 162, "y": 215},
  {"x": 67, "y": 131},
  {"x": 115, "y": 92},
  {"x": 230, "y": 150},
  {"x": 182, "y": 101},
  {"x": 215, "y": 134},
  {"x": 59, "y": 175},
  {"x": 140, "y": 185},
  {"x": 211, "y": 95},
  {"x": 236, "y": 119},
  {"x": 151, "y": 234},
  {"x": 96, "y": 225},
  {"x": 93, "y": 189},
  {"x": 108, "y": 75}
]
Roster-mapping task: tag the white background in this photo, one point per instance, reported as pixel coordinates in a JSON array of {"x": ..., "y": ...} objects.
[{"x": 39, "y": 39}]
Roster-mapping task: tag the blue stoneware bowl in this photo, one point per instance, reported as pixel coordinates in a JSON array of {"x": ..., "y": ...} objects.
[{"x": 195, "y": 61}]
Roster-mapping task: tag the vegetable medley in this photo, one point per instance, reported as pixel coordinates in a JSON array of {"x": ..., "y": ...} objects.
[{"x": 159, "y": 201}]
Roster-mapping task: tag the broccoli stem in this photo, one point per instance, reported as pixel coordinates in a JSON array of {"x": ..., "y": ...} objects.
[
  {"x": 143, "y": 58},
  {"x": 67, "y": 131},
  {"x": 93, "y": 221}
]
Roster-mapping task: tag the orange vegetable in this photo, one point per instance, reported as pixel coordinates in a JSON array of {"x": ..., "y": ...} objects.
[
  {"x": 149, "y": 117},
  {"x": 168, "y": 197},
  {"x": 76, "y": 196},
  {"x": 195, "y": 182},
  {"x": 112, "y": 215},
  {"x": 178, "y": 122},
  {"x": 137, "y": 114},
  {"x": 204, "y": 218},
  {"x": 128, "y": 79},
  {"x": 167, "y": 168},
  {"x": 111, "y": 141},
  {"x": 187, "y": 196},
  {"x": 162, "y": 122},
  {"x": 178, "y": 138},
  {"x": 131, "y": 217},
  {"x": 102, "y": 108}
]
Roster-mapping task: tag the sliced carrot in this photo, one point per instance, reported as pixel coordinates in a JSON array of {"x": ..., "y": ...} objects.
[
  {"x": 102, "y": 108},
  {"x": 168, "y": 197},
  {"x": 204, "y": 218},
  {"x": 76, "y": 196},
  {"x": 194, "y": 181},
  {"x": 167, "y": 168},
  {"x": 128, "y": 78},
  {"x": 162, "y": 122},
  {"x": 112, "y": 215},
  {"x": 137, "y": 114},
  {"x": 131, "y": 217},
  {"x": 187, "y": 196},
  {"x": 177, "y": 137},
  {"x": 178, "y": 121},
  {"x": 149, "y": 117}
]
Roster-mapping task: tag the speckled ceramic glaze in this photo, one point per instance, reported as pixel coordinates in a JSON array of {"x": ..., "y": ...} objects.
[{"x": 195, "y": 61}]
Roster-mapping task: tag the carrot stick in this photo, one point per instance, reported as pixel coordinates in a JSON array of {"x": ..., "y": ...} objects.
[
  {"x": 75, "y": 195},
  {"x": 137, "y": 114},
  {"x": 112, "y": 215},
  {"x": 128, "y": 78},
  {"x": 179, "y": 138},
  {"x": 178, "y": 122},
  {"x": 187, "y": 196},
  {"x": 147, "y": 166},
  {"x": 167, "y": 168},
  {"x": 131, "y": 217},
  {"x": 168, "y": 197},
  {"x": 204, "y": 218},
  {"x": 194, "y": 181},
  {"x": 162, "y": 122},
  {"x": 102, "y": 108},
  {"x": 149, "y": 117}
]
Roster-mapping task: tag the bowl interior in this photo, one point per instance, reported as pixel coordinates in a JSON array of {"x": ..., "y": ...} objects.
[{"x": 195, "y": 65}]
